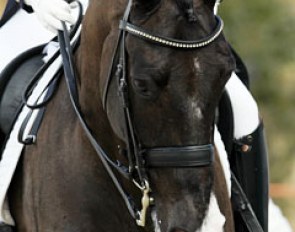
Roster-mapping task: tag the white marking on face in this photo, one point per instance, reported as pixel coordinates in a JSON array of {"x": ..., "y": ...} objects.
[
  {"x": 196, "y": 110},
  {"x": 195, "y": 107},
  {"x": 156, "y": 221},
  {"x": 214, "y": 220},
  {"x": 197, "y": 64}
]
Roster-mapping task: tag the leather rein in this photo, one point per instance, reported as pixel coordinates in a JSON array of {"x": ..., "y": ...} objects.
[{"x": 139, "y": 158}]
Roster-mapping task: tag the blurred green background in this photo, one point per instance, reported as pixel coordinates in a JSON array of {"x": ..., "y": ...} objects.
[{"x": 263, "y": 33}]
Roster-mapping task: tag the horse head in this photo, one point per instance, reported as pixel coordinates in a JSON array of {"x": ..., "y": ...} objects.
[
  {"x": 173, "y": 87},
  {"x": 150, "y": 76}
]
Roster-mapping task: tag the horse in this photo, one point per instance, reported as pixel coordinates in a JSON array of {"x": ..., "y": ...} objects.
[{"x": 173, "y": 88}]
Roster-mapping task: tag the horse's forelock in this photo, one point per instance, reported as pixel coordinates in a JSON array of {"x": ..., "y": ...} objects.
[{"x": 187, "y": 6}]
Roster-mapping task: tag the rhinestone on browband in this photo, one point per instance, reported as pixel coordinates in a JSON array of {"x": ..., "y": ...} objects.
[{"x": 134, "y": 30}]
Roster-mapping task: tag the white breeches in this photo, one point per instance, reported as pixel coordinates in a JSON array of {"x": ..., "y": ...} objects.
[{"x": 245, "y": 110}]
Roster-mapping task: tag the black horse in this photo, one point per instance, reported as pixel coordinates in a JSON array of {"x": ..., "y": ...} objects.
[{"x": 169, "y": 62}]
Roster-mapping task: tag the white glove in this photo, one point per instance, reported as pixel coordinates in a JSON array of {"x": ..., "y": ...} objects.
[{"x": 51, "y": 12}]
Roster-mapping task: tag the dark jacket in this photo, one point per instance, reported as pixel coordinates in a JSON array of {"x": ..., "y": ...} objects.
[{"x": 10, "y": 9}]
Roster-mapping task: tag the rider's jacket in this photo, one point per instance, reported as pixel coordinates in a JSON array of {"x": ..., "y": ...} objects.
[{"x": 11, "y": 8}]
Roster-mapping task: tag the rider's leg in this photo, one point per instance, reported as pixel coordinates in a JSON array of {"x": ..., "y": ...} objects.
[
  {"x": 248, "y": 133},
  {"x": 250, "y": 155},
  {"x": 245, "y": 110}
]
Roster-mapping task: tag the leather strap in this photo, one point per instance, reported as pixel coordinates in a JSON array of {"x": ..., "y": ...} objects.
[
  {"x": 42, "y": 70},
  {"x": 189, "y": 156},
  {"x": 32, "y": 136},
  {"x": 242, "y": 205},
  {"x": 115, "y": 57},
  {"x": 71, "y": 84}
]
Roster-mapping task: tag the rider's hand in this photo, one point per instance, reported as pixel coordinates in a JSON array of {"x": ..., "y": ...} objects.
[{"x": 51, "y": 12}]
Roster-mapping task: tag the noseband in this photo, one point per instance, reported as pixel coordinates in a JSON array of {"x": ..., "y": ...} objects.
[{"x": 140, "y": 158}]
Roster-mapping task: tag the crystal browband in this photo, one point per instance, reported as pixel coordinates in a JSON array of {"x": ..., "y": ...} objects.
[{"x": 137, "y": 31}]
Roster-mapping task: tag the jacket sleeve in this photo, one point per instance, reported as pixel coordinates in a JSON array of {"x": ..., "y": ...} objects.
[{"x": 23, "y": 5}]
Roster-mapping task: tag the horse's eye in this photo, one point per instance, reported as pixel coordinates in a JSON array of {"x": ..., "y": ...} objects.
[
  {"x": 141, "y": 86},
  {"x": 146, "y": 88}
]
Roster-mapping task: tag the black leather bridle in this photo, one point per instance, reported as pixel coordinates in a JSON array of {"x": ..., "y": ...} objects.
[{"x": 139, "y": 158}]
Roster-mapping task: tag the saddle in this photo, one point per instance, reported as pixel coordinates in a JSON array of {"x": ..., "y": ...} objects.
[{"x": 13, "y": 80}]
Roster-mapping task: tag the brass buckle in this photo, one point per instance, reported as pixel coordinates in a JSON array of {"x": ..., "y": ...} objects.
[{"x": 145, "y": 203}]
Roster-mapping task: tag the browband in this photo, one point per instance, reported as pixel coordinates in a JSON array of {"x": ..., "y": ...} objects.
[{"x": 170, "y": 42}]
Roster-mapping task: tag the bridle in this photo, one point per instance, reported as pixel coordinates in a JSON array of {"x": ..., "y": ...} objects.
[{"x": 139, "y": 158}]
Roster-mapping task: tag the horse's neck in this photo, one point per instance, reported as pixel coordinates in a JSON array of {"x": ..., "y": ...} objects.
[
  {"x": 89, "y": 58},
  {"x": 98, "y": 22}
]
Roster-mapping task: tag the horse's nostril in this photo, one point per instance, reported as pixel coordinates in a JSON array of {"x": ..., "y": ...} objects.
[{"x": 177, "y": 230}]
